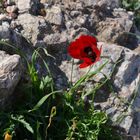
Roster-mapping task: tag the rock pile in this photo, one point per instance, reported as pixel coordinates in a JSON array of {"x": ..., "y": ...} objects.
[{"x": 101, "y": 18}]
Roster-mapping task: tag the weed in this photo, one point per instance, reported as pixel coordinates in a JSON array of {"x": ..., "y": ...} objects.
[{"x": 56, "y": 115}]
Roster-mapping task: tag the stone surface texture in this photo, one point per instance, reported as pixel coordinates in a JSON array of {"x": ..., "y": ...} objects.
[
  {"x": 54, "y": 15},
  {"x": 10, "y": 74},
  {"x": 53, "y": 24},
  {"x": 102, "y": 18}
]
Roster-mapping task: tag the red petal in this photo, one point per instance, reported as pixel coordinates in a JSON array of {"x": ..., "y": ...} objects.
[
  {"x": 87, "y": 62},
  {"x": 74, "y": 49},
  {"x": 83, "y": 65},
  {"x": 88, "y": 40}
]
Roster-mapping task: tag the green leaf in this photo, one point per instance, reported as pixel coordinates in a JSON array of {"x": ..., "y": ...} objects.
[
  {"x": 46, "y": 52},
  {"x": 37, "y": 131},
  {"x": 20, "y": 119},
  {"x": 45, "y": 82},
  {"x": 42, "y": 100},
  {"x": 137, "y": 6}
]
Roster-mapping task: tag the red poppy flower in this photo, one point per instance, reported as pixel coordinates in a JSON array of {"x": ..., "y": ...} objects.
[{"x": 85, "y": 49}]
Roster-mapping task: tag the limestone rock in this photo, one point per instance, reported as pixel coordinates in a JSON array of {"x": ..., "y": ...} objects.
[
  {"x": 10, "y": 73},
  {"x": 101, "y": 19},
  {"x": 113, "y": 30},
  {"x": 111, "y": 4},
  {"x": 5, "y": 31},
  {"x": 54, "y": 39},
  {"x": 24, "y": 6},
  {"x": 54, "y": 15},
  {"x": 63, "y": 21},
  {"x": 28, "y": 5},
  {"x": 11, "y": 9},
  {"x": 34, "y": 28},
  {"x": 3, "y": 17}
]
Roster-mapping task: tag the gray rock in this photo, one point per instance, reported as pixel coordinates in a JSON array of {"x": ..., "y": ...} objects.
[
  {"x": 24, "y": 6},
  {"x": 34, "y": 28},
  {"x": 5, "y": 31},
  {"x": 50, "y": 1},
  {"x": 54, "y": 15},
  {"x": 10, "y": 73},
  {"x": 10, "y": 2},
  {"x": 11, "y": 9},
  {"x": 74, "y": 33},
  {"x": 56, "y": 41},
  {"x": 3, "y": 17},
  {"x": 27, "y": 5},
  {"x": 109, "y": 25},
  {"x": 111, "y": 4},
  {"x": 65, "y": 20},
  {"x": 69, "y": 24},
  {"x": 81, "y": 20},
  {"x": 53, "y": 38},
  {"x": 75, "y": 13},
  {"x": 113, "y": 30}
]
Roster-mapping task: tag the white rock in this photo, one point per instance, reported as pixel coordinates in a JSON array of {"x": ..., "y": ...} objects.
[
  {"x": 3, "y": 16},
  {"x": 11, "y": 9},
  {"x": 10, "y": 73},
  {"x": 5, "y": 30},
  {"x": 24, "y": 5},
  {"x": 54, "y": 15}
]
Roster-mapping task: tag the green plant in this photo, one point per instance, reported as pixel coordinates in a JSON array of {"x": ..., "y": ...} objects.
[{"x": 56, "y": 115}]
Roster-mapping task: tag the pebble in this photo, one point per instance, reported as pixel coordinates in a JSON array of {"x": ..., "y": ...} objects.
[
  {"x": 11, "y": 9},
  {"x": 3, "y": 16},
  {"x": 13, "y": 15},
  {"x": 43, "y": 1}
]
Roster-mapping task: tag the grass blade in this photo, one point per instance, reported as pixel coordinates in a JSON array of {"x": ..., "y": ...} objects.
[{"x": 42, "y": 100}]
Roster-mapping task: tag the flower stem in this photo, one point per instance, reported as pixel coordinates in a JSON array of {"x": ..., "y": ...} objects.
[{"x": 71, "y": 72}]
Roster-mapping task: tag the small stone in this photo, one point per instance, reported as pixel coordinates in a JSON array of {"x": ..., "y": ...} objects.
[
  {"x": 42, "y": 12},
  {"x": 111, "y": 111},
  {"x": 81, "y": 20},
  {"x": 43, "y": 1},
  {"x": 75, "y": 13},
  {"x": 126, "y": 123},
  {"x": 3, "y": 16},
  {"x": 11, "y": 9},
  {"x": 54, "y": 15},
  {"x": 69, "y": 24},
  {"x": 113, "y": 30},
  {"x": 13, "y": 15},
  {"x": 10, "y": 2},
  {"x": 79, "y": 6},
  {"x": 28, "y": 6},
  {"x": 5, "y": 30},
  {"x": 24, "y": 5}
]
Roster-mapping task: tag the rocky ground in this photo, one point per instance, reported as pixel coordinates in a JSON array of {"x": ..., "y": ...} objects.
[{"x": 53, "y": 24}]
